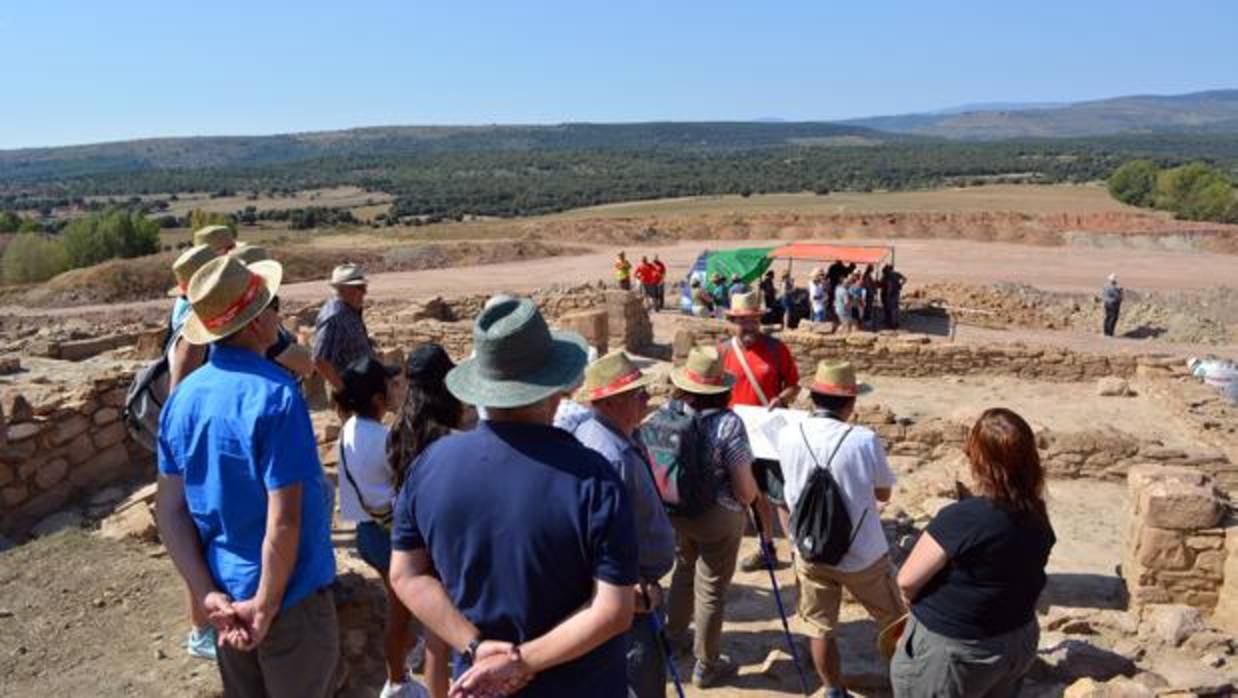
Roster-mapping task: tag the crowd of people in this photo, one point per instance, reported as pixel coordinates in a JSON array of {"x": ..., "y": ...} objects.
[{"x": 521, "y": 507}]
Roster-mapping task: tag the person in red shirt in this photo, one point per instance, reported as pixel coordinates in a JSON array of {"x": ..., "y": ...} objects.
[
  {"x": 661, "y": 281},
  {"x": 655, "y": 278},
  {"x": 777, "y": 384},
  {"x": 644, "y": 275}
]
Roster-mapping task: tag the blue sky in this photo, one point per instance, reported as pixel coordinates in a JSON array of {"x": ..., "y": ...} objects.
[{"x": 79, "y": 72}]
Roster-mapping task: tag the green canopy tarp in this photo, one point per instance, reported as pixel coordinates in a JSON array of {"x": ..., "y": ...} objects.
[{"x": 749, "y": 262}]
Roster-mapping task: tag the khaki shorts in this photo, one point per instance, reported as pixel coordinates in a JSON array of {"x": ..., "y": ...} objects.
[{"x": 821, "y": 593}]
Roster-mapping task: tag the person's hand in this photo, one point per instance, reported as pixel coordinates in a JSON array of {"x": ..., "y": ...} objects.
[
  {"x": 252, "y": 624},
  {"x": 220, "y": 611},
  {"x": 648, "y": 597},
  {"x": 776, "y": 403},
  {"x": 495, "y": 675},
  {"x": 490, "y": 648}
]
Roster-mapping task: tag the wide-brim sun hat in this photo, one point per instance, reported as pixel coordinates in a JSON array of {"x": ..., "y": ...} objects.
[
  {"x": 611, "y": 375},
  {"x": 226, "y": 295},
  {"x": 248, "y": 254},
  {"x": 517, "y": 360},
  {"x": 189, "y": 262},
  {"x": 214, "y": 236},
  {"x": 348, "y": 274},
  {"x": 745, "y": 305},
  {"x": 837, "y": 378},
  {"x": 702, "y": 373}
]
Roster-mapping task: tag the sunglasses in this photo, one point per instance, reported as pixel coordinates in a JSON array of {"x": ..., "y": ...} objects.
[{"x": 274, "y": 304}]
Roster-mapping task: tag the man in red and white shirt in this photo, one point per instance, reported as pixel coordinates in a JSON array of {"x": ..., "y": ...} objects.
[{"x": 769, "y": 362}]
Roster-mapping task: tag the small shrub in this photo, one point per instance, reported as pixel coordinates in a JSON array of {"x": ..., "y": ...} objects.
[{"x": 32, "y": 258}]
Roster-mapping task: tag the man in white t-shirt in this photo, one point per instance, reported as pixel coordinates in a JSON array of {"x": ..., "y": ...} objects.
[{"x": 857, "y": 463}]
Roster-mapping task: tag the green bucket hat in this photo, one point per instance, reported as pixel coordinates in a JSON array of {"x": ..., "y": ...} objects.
[{"x": 517, "y": 359}]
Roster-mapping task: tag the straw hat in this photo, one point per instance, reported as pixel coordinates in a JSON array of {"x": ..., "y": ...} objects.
[
  {"x": 226, "y": 295},
  {"x": 613, "y": 374},
  {"x": 702, "y": 373},
  {"x": 215, "y": 236},
  {"x": 347, "y": 274},
  {"x": 248, "y": 254},
  {"x": 838, "y": 379},
  {"x": 190, "y": 261},
  {"x": 517, "y": 359},
  {"x": 745, "y": 305}
]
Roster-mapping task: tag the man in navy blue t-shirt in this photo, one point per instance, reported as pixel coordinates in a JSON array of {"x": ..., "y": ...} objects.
[{"x": 531, "y": 534}]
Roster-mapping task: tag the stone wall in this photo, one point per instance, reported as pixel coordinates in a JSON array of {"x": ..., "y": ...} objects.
[
  {"x": 62, "y": 446},
  {"x": 920, "y": 356},
  {"x": 1175, "y": 539}
]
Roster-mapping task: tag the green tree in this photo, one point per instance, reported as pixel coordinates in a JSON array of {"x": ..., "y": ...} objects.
[
  {"x": 31, "y": 258},
  {"x": 200, "y": 219},
  {"x": 1134, "y": 182},
  {"x": 103, "y": 236},
  {"x": 1175, "y": 187}
]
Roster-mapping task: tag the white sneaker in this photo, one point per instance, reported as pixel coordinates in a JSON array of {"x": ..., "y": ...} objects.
[{"x": 404, "y": 689}]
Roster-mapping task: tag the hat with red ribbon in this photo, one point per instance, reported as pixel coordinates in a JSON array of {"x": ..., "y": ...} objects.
[
  {"x": 702, "y": 373},
  {"x": 613, "y": 374},
  {"x": 226, "y": 295},
  {"x": 190, "y": 261},
  {"x": 837, "y": 379}
]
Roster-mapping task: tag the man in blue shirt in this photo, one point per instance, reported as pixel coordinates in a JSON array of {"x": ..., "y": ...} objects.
[
  {"x": 242, "y": 501},
  {"x": 615, "y": 389},
  {"x": 530, "y": 533}
]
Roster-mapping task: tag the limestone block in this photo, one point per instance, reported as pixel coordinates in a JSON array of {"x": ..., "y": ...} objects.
[
  {"x": 114, "y": 397},
  {"x": 24, "y": 430},
  {"x": 593, "y": 325},
  {"x": 136, "y": 522},
  {"x": 1171, "y": 623},
  {"x": 51, "y": 472},
  {"x": 11, "y": 497},
  {"x": 107, "y": 415},
  {"x": 1163, "y": 549},
  {"x": 1112, "y": 386},
  {"x": 112, "y": 434},
  {"x": 110, "y": 464},
  {"x": 1179, "y": 506},
  {"x": 1144, "y": 474},
  {"x": 69, "y": 428},
  {"x": 1116, "y": 688},
  {"x": 80, "y": 450}
]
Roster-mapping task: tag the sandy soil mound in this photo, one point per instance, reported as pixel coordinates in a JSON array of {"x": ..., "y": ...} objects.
[{"x": 123, "y": 280}]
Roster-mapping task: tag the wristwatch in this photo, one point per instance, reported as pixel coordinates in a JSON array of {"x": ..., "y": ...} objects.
[{"x": 470, "y": 652}]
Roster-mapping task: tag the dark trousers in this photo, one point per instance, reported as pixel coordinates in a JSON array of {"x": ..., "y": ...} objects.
[
  {"x": 1111, "y": 319},
  {"x": 297, "y": 658},
  {"x": 646, "y": 660}
]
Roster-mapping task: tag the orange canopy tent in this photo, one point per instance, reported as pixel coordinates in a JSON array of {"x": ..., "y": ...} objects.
[{"x": 858, "y": 254}]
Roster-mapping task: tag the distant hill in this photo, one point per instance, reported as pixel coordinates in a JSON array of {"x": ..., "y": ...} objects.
[
  {"x": 35, "y": 164},
  {"x": 1200, "y": 112}
]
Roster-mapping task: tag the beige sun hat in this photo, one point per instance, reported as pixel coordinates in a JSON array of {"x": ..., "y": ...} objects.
[
  {"x": 702, "y": 373},
  {"x": 248, "y": 254},
  {"x": 613, "y": 374},
  {"x": 348, "y": 274},
  {"x": 215, "y": 236},
  {"x": 745, "y": 305},
  {"x": 190, "y": 261},
  {"x": 226, "y": 295},
  {"x": 837, "y": 378}
]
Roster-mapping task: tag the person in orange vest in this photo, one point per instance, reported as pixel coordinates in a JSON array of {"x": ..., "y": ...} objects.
[
  {"x": 623, "y": 272},
  {"x": 765, "y": 375}
]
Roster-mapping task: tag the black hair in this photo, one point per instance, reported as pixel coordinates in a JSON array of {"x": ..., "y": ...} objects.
[
  {"x": 698, "y": 401},
  {"x": 429, "y": 412},
  {"x": 832, "y": 403}
]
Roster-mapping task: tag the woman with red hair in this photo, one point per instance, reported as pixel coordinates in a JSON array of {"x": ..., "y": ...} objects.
[{"x": 973, "y": 578}]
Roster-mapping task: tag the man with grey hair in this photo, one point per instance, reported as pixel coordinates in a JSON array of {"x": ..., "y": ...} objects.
[
  {"x": 340, "y": 336},
  {"x": 532, "y": 535},
  {"x": 1111, "y": 296}
]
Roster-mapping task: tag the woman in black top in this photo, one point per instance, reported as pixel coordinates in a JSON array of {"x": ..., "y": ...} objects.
[{"x": 973, "y": 578}]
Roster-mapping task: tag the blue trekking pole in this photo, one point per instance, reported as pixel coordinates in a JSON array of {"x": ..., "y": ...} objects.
[
  {"x": 659, "y": 632},
  {"x": 767, "y": 555}
]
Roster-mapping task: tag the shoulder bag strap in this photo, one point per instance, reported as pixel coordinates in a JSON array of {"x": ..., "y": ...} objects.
[{"x": 752, "y": 380}]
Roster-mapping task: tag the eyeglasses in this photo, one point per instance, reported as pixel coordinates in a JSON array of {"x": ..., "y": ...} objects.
[{"x": 274, "y": 304}]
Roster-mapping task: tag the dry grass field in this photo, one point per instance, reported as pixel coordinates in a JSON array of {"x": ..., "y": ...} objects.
[{"x": 1021, "y": 198}]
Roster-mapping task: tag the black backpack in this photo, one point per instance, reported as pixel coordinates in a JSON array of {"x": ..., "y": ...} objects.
[
  {"x": 146, "y": 395},
  {"x": 678, "y": 459},
  {"x": 821, "y": 529}
]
